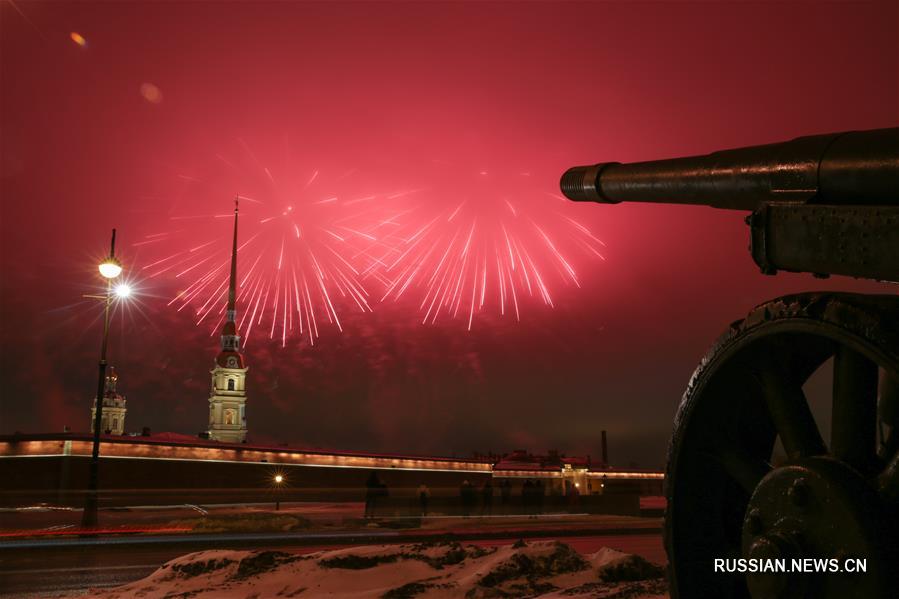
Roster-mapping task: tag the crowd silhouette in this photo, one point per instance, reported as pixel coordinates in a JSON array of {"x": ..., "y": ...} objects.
[{"x": 473, "y": 499}]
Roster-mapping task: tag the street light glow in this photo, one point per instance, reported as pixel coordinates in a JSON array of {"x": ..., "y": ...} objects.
[
  {"x": 110, "y": 268},
  {"x": 123, "y": 290},
  {"x": 279, "y": 479}
]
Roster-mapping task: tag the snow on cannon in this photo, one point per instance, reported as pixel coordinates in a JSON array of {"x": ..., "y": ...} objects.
[{"x": 824, "y": 204}]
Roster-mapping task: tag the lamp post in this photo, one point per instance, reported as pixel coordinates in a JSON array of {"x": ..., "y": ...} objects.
[
  {"x": 110, "y": 269},
  {"x": 278, "y": 480}
]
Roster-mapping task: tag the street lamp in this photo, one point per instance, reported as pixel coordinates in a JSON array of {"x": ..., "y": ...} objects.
[
  {"x": 278, "y": 480},
  {"x": 110, "y": 268}
]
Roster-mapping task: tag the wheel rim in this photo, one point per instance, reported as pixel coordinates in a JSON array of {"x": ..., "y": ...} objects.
[{"x": 725, "y": 498}]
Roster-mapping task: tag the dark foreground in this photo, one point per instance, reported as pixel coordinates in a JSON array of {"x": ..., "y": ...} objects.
[{"x": 52, "y": 567}]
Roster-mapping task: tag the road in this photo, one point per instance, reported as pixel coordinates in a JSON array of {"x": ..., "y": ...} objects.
[
  {"x": 44, "y": 520},
  {"x": 55, "y": 566}
]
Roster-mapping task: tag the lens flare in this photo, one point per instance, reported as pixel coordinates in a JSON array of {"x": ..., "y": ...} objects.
[{"x": 151, "y": 93}]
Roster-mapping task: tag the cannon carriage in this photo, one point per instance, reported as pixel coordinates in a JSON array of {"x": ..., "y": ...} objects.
[{"x": 825, "y": 204}]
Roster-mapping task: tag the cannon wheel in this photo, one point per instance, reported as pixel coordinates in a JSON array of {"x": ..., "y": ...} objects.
[{"x": 836, "y": 499}]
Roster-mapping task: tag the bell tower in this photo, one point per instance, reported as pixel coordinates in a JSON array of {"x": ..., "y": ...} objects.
[
  {"x": 228, "y": 396},
  {"x": 114, "y": 409}
]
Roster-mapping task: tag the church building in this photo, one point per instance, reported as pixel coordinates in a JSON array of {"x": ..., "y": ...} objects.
[
  {"x": 113, "y": 414},
  {"x": 228, "y": 397}
]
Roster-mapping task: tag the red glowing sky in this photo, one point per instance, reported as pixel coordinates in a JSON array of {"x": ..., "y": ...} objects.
[{"x": 129, "y": 130}]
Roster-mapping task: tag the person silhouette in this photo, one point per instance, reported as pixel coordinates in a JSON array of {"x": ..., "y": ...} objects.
[{"x": 423, "y": 495}]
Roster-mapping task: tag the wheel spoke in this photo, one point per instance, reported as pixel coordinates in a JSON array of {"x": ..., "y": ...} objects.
[
  {"x": 854, "y": 433},
  {"x": 745, "y": 470},
  {"x": 889, "y": 415},
  {"x": 888, "y": 482},
  {"x": 791, "y": 414}
]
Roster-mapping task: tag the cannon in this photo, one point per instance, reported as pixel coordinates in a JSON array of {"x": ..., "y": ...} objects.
[{"x": 750, "y": 476}]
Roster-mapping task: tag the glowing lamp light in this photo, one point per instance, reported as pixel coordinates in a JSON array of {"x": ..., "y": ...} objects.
[
  {"x": 123, "y": 291},
  {"x": 279, "y": 479},
  {"x": 110, "y": 268}
]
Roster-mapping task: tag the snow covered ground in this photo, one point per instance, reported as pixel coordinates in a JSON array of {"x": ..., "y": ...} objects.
[{"x": 542, "y": 569}]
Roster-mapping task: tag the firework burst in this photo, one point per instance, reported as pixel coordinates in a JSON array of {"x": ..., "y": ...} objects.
[
  {"x": 302, "y": 251},
  {"x": 497, "y": 244}
]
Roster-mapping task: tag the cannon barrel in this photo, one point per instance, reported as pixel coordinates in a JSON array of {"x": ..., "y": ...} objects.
[
  {"x": 823, "y": 204},
  {"x": 854, "y": 167}
]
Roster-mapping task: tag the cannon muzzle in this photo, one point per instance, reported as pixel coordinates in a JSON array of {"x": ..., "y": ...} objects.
[
  {"x": 824, "y": 204},
  {"x": 855, "y": 167}
]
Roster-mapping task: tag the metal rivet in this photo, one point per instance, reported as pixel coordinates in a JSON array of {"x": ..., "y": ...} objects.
[
  {"x": 799, "y": 492},
  {"x": 755, "y": 522}
]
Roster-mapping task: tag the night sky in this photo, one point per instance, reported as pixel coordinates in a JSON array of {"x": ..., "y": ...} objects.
[{"x": 160, "y": 112}]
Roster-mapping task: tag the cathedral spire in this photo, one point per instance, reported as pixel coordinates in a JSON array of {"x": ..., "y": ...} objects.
[
  {"x": 232, "y": 287},
  {"x": 228, "y": 396},
  {"x": 230, "y": 338}
]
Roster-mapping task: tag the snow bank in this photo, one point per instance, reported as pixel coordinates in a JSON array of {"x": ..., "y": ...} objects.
[{"x": 428, "y": 571}]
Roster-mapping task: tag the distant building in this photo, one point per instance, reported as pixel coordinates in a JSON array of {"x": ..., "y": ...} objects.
[
  {"x": 228, "y": 396},
  {"x": 181, "y": 468},
  {"x": 559, "y": 472},
  {"x": 113, "y": 414},
  {"x": 575, "y": 474}
]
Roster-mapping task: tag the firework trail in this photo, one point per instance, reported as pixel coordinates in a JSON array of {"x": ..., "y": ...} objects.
[
  {"x": 302, "y": 253},
  {"x": 496, "y": 244}
]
